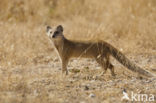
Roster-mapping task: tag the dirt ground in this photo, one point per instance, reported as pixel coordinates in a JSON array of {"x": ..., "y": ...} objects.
[{"x": 45, "y": 84}]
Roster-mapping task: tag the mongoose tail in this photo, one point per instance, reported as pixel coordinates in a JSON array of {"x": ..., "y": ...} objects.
[{"x": 127, "y": 63}]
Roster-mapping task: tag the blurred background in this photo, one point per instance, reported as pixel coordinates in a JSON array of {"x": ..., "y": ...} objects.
[{"x": 129, "y": 25}]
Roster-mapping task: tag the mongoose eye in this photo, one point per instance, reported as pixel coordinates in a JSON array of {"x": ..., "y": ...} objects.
[
  {"x": 50, "y": 32},
  {"x": 56, "y": 32}
]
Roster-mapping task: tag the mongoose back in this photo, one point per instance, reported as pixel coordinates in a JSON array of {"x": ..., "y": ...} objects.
[{"x": 101, "y": 51}]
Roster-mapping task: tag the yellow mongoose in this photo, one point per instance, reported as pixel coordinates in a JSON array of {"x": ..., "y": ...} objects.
[{"x": 101, "y": 51}]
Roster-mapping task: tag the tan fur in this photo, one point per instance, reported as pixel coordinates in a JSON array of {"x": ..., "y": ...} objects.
[{"x": 100, "y": 51}]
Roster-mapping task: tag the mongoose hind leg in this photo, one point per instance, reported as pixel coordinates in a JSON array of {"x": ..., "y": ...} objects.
[
  {"x": 111, "y": 68},
  {"x": 109, "y": 65},
  {"x": 102, "y": 63}
]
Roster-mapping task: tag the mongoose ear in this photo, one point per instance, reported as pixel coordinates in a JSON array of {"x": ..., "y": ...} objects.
[
  {"x": 60, "y": 28},
  {"x": 48, "y": 28}
]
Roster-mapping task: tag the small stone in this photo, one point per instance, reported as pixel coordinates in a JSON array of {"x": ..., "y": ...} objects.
[
  {"x": 86, "y": 87},
  {"x": 91, "y": 95}
]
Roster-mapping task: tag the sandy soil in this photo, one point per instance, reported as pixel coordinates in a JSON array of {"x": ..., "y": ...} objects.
[{"x": 45, "y": 83}]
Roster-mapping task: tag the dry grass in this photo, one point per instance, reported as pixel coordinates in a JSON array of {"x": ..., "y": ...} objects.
[{"x": 128, "y": 25}]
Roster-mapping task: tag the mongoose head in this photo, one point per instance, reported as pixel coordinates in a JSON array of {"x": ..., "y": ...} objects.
[{"x": 56, "y": 33}]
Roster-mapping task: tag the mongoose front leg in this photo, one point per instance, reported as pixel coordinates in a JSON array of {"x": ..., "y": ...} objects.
[{"x": 64, "y": 66}]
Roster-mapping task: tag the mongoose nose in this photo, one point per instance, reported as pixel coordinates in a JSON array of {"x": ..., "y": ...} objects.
[{"x": 53, "y": 36}]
